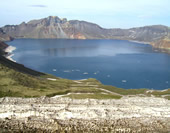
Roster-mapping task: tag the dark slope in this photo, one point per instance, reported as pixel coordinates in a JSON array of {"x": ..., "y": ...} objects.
[
  {"x": 4, "y": 36},
  {"x": 13, "y": 65},
  {"x": 19, "y": 67},
  {"x": 3, "y": 46}
]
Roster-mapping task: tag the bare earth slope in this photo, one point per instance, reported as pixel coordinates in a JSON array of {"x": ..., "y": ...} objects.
[
  {"x": 162, "y": 43},
  {"x": 135, "y": 114}
]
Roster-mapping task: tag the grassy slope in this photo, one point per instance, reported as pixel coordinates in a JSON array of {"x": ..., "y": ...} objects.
[{"x": 19, "y": 81}]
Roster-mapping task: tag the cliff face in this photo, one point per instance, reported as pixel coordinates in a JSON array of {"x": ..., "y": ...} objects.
[
  {"x": 54, "y": 27},
  {"x": 163, "y": 44},
  {"x": 145, "y": 34},
  {"x": 3, "y": 46},
  {"x": 149, "y": 33},
  {"x": 4, "y": 36}
]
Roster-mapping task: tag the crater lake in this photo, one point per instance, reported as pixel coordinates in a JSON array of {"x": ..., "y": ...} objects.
[{"x": 119, "y": 63}]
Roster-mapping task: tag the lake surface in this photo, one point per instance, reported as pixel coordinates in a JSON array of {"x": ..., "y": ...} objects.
[{"x": 113, "y": 62}]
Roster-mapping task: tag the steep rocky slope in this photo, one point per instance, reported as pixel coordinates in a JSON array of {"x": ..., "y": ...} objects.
[
  {"x": 3, "y": 46},
  {"x": 4, "y": 36},
  {"x": 54, "y": 27},
  {"x": 163, "y": 44}
]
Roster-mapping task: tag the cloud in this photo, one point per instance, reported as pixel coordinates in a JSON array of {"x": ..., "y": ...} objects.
[
  {"x": 148, "y": 16},
  {"x": 42, "y": 6}
]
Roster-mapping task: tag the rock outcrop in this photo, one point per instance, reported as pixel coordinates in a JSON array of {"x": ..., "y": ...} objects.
[
  {"x": 135, "y": 114},
  {"x": 3, "y": 46},
  {"x": 163, "y": 44},
  {"x": 4, "y": 36}
]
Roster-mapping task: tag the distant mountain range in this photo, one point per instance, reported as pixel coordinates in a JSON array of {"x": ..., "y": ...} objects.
[{"x": 54, "y": 27}]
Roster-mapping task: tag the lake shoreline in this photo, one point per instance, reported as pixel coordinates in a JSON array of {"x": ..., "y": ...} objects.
[
  {"x": 101, "y": 55},
  {"x": 140, "y": 42},
  {"x": 9, "y": 50}
]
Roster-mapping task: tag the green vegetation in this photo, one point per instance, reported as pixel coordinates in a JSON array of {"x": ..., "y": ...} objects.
[
  {"x": 124, "y": 91},
  {"x": 164, "y": 93},
  {"x": 13, "y": 83},
  {"x": 160, "y": 93}
]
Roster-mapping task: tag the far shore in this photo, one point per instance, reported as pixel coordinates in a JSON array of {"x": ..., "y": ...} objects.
[{"x": 140, "y": 42}]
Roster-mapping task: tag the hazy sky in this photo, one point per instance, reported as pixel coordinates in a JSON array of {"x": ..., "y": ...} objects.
[{"x": 106, "y": 13}]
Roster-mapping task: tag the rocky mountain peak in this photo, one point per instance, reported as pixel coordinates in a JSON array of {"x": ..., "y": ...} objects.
[{"x": 53, "y": 20}]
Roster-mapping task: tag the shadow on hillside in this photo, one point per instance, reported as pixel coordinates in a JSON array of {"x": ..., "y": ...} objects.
[{"x": 19, "y": 67}]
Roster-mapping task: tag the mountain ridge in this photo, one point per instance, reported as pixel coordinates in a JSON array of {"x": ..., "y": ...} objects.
[{"x": 54, "y": 27}]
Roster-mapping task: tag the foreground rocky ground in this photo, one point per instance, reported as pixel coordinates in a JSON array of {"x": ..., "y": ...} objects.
[{"x": 128, "y": 114}]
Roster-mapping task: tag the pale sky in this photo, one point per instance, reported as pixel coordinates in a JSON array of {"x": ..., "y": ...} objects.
[{"x": 106, "y": 13}]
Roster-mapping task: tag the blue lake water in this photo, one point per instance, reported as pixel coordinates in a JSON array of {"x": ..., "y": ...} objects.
[{"x": 119, "y": 63}]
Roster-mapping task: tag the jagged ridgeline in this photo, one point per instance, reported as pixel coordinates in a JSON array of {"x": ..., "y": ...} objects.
[{"x": 54, "y": 27}]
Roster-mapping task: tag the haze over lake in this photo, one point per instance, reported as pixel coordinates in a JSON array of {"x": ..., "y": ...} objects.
[{"x": 119, "y": 63}]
